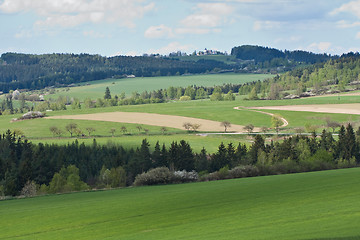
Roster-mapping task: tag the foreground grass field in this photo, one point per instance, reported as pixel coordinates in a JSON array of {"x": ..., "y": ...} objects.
[{"x": 318, "y": 205}]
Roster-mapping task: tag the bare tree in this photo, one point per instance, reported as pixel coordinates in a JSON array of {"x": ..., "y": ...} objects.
[
  {"x": 249, "y": 128},
  {"x": 123, "y": 129},
  {"x": 187, "y": 126},
  {"x": 139, "y": 127},
  {"x": 195, "y": 126},
  {"x": 55, "y": 131},
  {"x": 112, "y": 131},
  {"x": 163, "y": 130},
  {"x": 78, "y": 132},
  {"x": 264, "y": 129},
  {"x": 90, "y": 130},
  {"x": 225, "y": 124},
  {"x": 71, "y": 128}
]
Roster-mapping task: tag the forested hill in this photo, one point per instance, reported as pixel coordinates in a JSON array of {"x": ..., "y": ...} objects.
[
  {"x": 28, "y": 71},
  {"x": 262, "y": 54},
  {"x": 342, "y": 72}
]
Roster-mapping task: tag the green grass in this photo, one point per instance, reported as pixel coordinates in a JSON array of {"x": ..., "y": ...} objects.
[
  {"x": 318, "y": 205},
  {"x": 96, "y": 89}
]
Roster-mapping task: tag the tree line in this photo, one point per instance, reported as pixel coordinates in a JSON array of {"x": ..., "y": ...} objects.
[{"x": 47, "y": 165}]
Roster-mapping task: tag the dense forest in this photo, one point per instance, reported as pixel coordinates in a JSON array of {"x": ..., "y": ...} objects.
[
  {"x": 22, "y": 162},
  {"x": 28, "y": 71},
  {"x": 271, "y": 55}
]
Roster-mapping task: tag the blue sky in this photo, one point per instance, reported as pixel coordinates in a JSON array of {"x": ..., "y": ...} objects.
[{"x": 134, "y": 27}]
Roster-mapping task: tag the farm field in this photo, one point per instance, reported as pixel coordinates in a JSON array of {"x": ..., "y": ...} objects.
[
  {"x": 202, "y": 109},
  {"x": 317, "y": 205},
  {"x": 96, "y": 89}
]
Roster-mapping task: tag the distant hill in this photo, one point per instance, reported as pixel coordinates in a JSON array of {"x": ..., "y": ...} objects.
[
  {"x": 262, "y": 54},
  {"x": 28, "y": 71}
]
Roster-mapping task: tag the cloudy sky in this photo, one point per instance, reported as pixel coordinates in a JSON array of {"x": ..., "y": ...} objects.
[{"x": 134, "y": 27}]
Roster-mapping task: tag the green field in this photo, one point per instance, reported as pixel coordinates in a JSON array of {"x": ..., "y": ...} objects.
[
  {"x": 96, "y": 89},
  {"x": 317, "y": 205}
]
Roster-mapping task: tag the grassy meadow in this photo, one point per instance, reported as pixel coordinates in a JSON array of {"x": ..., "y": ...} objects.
[
  {"x": 317, "y": 205},
  {"x": 96, "y": 89}
]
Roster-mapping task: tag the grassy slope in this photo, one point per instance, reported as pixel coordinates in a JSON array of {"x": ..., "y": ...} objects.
[
  {"x": 96, "y": 89},
  {"x": 318, "y": 205}
]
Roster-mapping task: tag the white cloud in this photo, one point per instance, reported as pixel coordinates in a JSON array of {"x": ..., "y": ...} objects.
[
  {"x": 70, "y": 13},
  {"x": 320, "y": 47},
  {"x": 171, "y": 47},
  {"x": 23, "y": 34},
  {"x": 198, "y": 31},
  {"x": 352, "y": 7},
  {"x": 160, "y": 31},
  {"x": 93, "y": 34},
  {"x": 266, "y": 25},
  {"x": 345, "y": 24},
  {"x": 208, "y": 15}
]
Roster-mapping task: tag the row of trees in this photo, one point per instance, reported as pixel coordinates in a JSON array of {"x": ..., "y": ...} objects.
[{"x": 22, "y": 162}]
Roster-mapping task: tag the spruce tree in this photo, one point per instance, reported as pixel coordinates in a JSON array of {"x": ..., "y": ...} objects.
[{"x": 107, "y": 93}]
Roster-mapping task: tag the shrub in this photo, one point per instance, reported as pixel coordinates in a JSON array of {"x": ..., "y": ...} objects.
[
  {"x": 161, "y": 175},
  {"x": 184, "y": 176},
  {"x": 29, "y": 190},
  {"x": 185, "y": 98}
]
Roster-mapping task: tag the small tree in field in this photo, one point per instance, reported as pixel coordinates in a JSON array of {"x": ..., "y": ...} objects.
[
  {"x": 187, "y": 126},
  {"x": 249, "y": 128},
  {"x": 195, "y": 126},
  {"x": 55, "y": 131},
  {"x": 225, "y": 124},
  {"x": 112, "y": 131},
  {"x": 276, "y": 122},
  {"x": 139, "y": 127},
  {"x": 163, "y": 130},
  {"x": 71, "y": 128},
  {"x": 90, "y": 130},
  {"x": 123, "y": 129}
]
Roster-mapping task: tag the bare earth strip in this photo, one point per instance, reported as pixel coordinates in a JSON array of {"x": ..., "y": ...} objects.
[
  {"x": 353, "y": 108},
  {"x": 152, "y": 119}
]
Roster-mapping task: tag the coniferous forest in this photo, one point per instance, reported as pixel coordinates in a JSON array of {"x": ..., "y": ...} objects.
[{"x": 50, "y": 167}]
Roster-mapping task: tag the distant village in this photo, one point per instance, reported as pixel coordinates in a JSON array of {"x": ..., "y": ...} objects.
[{"x": 184, "y": 54}]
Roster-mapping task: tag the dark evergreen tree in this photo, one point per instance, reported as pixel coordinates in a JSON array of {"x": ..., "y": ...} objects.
[{"x": 107, "y": 93}]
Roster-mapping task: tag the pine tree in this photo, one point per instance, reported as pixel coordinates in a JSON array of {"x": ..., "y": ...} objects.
[{"x": 107, "y": 93}]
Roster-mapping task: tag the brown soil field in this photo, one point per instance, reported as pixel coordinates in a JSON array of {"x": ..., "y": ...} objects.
[
  {"x": 352, "y": 108},
  {"x": 154, "y": 120}
]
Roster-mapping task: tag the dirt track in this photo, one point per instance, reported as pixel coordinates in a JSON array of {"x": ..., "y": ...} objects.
[
  {"x": 153, "y": 119},
  {"x": 353, "y": 108}
]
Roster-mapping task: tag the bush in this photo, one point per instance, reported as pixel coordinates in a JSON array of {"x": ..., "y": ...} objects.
[
  {"x": 161, "y": 175},
  {"x": 184, "y": 176},
  {"x": 185, "y": 98},
  {"x": 29, "y": 190}
]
